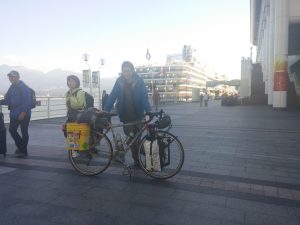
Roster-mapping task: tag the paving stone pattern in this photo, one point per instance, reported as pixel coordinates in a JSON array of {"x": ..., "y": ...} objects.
[{"x": 242, "y": 166}]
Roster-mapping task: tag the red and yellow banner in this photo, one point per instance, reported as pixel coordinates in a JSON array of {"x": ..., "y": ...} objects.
[
  {"x": 280, "y": 81},
  {"x": 280, "y": 74}
]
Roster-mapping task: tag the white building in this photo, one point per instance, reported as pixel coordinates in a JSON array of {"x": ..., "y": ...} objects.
[{"x": 275, "y": 30}]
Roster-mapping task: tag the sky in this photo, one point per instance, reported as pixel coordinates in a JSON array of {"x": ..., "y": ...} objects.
[{"x": 50, "y": 34}]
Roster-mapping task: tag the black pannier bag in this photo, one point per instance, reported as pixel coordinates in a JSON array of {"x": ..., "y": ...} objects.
[
  {"x": 3, "y": 148},
  {"x": 97, "y": 122},
  {"x": 92, "y": 117}
]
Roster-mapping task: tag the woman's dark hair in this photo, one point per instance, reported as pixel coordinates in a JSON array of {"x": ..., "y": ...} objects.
[
  {"x": 75, "y": 78},
  {"x": 127, "y": 64}
]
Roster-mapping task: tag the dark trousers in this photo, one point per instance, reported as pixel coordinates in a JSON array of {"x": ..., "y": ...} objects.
[
  {"x": 156, "y": 106},
  {"x": 20, "y": 141},
  {"x": 134, "y": 147},
  {"x": 206, "y": 103}
]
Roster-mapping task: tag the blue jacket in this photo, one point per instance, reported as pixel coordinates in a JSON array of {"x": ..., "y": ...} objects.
[
  {"x": 18, "y": 99},
  {"x": 140, "y": 97}
]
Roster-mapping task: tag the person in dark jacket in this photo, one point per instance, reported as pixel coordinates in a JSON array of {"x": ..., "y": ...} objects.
[
  {"x": 104, "y": 98},
  {"x": 132, "y": 102},
  {"x": 156, "y": 98},
  {"x": 18, "y": 100}
]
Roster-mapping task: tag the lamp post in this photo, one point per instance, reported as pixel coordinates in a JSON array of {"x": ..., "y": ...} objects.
[
  {"x": 166, "y": 90},
  {"x": 148, "y": 57},
  {"x": 85, "y": 58},
  {"x": 101, "y": 64}
]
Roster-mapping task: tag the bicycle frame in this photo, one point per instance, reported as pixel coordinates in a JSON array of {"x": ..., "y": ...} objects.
[
  {"x": 112, "y": 128},
  {"x": 127, "y": 146}
]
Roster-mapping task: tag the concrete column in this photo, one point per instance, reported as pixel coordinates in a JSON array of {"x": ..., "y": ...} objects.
[
  {"x": 280, "y": 53},
  {"x": 271, "y": 52},
  {"x": 266, "y": 43}
]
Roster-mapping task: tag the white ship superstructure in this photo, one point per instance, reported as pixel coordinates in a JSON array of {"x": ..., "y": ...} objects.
[{"x": 180, "y": 79}]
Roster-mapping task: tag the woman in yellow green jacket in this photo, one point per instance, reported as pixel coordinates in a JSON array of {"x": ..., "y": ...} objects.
[{"x": 75, "y": 98}]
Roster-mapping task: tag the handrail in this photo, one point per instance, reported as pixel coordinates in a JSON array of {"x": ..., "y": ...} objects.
[
  {"x": 53, "y": 107},
  {"x": 50, "y": 107}
]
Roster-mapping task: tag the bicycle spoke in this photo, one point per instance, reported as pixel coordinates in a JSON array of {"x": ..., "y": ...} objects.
[
  {"x": 171, "y": 156},
  {"x": 94, "y": 160}
]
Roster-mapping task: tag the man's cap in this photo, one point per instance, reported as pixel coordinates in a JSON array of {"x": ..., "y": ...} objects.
[{"x": 13, "y": 73}]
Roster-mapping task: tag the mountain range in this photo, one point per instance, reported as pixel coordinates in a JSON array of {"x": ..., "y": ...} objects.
[{"x": 52, "y": 83}]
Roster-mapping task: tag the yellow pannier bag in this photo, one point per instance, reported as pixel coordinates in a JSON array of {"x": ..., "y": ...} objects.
[{"x": 78, "y": 136}]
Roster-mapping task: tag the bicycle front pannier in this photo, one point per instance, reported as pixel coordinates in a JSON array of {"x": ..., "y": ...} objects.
[
  {"x": 152, "y": 155},
  {"x": 164, "y": 151}
]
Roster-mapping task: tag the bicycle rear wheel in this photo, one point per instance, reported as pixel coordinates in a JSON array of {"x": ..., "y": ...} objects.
[
  {"x": 94, "y": 160},
  {"x": 171, "y": 156}
]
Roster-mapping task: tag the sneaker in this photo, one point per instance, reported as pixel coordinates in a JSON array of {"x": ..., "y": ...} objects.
[{"x": 75, "y": 154}]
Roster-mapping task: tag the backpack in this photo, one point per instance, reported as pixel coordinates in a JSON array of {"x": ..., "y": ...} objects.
[
  {"x": 89, "y": 99},
  {"x": 32, "y": 98},
  {"x": 33, "y": 101}
]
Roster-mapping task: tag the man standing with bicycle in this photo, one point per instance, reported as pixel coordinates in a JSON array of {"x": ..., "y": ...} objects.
[{"x": 132, "y": 102}]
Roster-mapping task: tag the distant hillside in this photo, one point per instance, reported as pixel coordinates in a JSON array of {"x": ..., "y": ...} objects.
[{"x": 52, "y": 83}]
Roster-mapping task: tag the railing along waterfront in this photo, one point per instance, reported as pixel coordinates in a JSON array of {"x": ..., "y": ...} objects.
[
  {"x": 50, "y": 107},
  {"x": 53, "y": 107}
]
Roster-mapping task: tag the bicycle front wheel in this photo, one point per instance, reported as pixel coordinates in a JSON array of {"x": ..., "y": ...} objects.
[
  {"x": 170, "y": 159},
  {"x": 94, "y": 160}
]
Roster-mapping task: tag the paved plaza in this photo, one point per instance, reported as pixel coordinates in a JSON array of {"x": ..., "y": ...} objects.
[{"x": 242, "y": 167}]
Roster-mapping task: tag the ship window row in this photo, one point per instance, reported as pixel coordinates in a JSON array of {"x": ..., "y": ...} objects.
[
  {"x": 170, "y": 88},
  {"x": 171, "y": 75},
  {"x": 164, "y": 82},
  {"x": 167, "y": 69}
]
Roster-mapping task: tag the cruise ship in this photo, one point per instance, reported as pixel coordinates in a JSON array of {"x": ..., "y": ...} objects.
[{"x": 180, "y": 79}]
